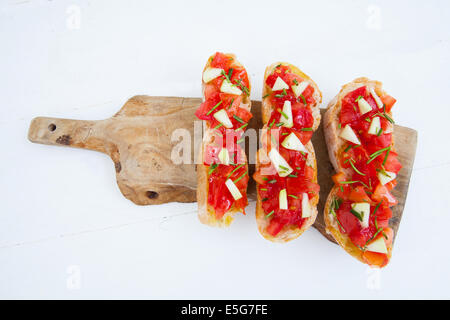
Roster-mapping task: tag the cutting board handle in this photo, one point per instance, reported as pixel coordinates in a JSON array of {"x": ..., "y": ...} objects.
[{"x": 67, "y": 132}]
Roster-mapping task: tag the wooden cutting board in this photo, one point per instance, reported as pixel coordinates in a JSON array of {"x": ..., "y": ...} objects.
[{"x": 139, "y": 141}]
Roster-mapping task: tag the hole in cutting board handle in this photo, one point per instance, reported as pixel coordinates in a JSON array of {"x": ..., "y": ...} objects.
[
  {"x": 52, "y": 127},
  {"x": 152, "y": 194}
]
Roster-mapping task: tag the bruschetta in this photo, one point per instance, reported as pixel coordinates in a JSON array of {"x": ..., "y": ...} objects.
[
  {"x": 358, "y": 128},
  {"x": 286, "y": 169},
  {"x": 223, "y": 171}
]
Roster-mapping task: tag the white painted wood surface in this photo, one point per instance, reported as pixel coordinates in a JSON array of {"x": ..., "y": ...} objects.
[{"x": 67, "y": 232}]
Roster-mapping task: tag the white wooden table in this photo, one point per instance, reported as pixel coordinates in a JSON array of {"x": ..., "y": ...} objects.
[{"x": 67, "y": 232}]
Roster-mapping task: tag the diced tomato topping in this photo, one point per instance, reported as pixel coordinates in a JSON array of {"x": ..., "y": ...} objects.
[
  {"x": 219, "y": 197},
  {"x": 382, "y": 193},
  {"x": 302, "y": 180},
  {"x": 221, "y": 60},
  {"x": 215, "y": 100},
  {"x": 365, "y": 161},
  {"x": 274, "y": 227},
  {"x": 279, "y": 97}
]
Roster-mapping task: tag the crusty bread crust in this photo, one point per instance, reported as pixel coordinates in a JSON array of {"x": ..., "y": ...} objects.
[
  {"x": 335, "y": 146},
  {"x": 288, "y": 233},
  {"x": 206, "y": 213}
]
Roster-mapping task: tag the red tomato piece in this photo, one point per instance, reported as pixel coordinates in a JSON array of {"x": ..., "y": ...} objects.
[
  {"x": 381, "y": 193},
  {"x": 221, "y": 61},
  {"x": 274, "y": 227},
  {"x": 339, "y": 177},
  {"x": 388, "y": 101},
  {"x": 359, "y": 195},
  {"x": 392, "y": 164}
]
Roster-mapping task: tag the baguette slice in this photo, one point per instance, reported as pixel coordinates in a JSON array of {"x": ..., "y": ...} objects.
[
  {"x": 290, "y": 232},
  {"x": 206, "y": 212},
  {"x": 335, "y": 145}
]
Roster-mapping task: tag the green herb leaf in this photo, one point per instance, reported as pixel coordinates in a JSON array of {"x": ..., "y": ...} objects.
[
  {"x": 348, "y": 148},
  {"x": 243, "y": 175},
  {"x": 212, "y": 168},
  {"x": 386, "y": 157},
  {"x": 238, "y": 119},
  {"x": 303, "y": 99},
  {"x": 230, "y": 73},
  {"x": 377, "y": 153},
  {"x": 270, "y": 125},
  {"x": 348, "y": 182},
  {"x": 354, "y": 168},
  {"x": 242, "y": 127},
  {"x": 213, "y": 108},
  {"x": 234, "y": 170},
  {"x": 356, "y": 214},
  {"x": 269, "y": 214},
  {"x": 284, "y": 114}
]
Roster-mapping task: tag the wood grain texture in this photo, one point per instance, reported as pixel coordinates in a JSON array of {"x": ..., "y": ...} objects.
[{"x": 139, "y": 141}]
